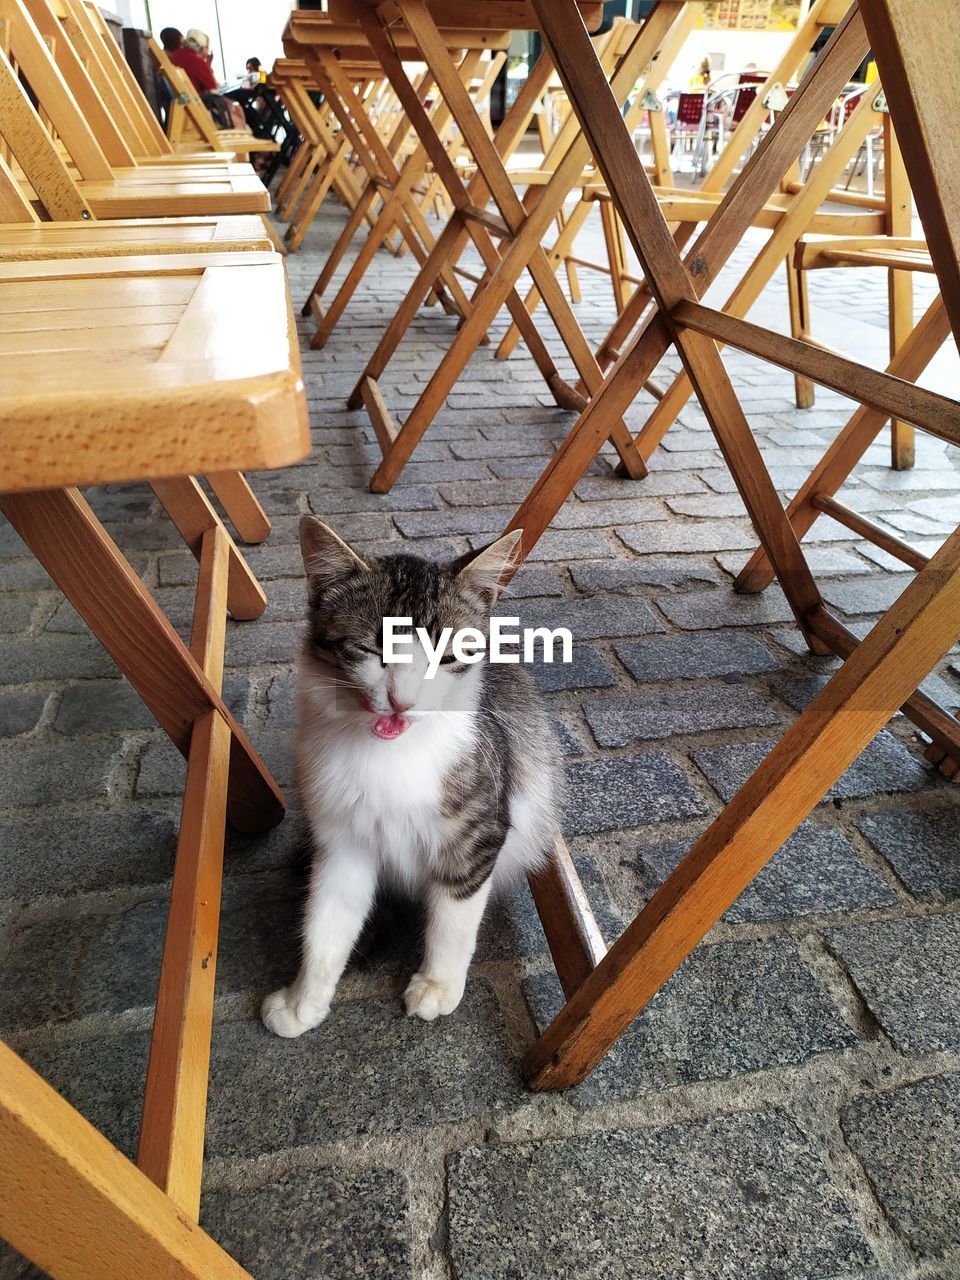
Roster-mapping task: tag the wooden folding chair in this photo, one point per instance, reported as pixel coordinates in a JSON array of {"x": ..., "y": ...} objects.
[
  {"x": 62, "y": 200},
  {"x": 118, "y": 376},
  {"x": 320, "y": 152},
  {"x": 188, "y": 120},
  {"x": 327, "y": 47},
  {"x": 880, "y": 675},
  {"x": 518, "y": 227},
  {"x": 397, "y": 187}
]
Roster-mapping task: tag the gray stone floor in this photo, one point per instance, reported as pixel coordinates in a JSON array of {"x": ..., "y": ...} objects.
[{"x": 788, "y": 1106}]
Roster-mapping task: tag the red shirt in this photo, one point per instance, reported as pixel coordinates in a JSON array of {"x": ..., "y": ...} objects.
[{"x": 197, "y": 68}]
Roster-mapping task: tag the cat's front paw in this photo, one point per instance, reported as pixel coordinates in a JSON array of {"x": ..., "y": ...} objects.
[
  {"x": 287, "y": 1014},
  {"x": 428, "y": 998}
]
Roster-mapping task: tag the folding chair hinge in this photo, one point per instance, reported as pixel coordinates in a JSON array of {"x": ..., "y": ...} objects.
[
  {"x": 776, "y": 98},
  {"x": 880, "y": 103},
  {"x": 651, "y": 102}
]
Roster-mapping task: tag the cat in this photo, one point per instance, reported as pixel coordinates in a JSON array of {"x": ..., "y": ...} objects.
[{"x": 444, "y": 787}]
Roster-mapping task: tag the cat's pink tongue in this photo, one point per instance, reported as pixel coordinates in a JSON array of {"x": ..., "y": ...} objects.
[{"x": 389, "y": 727}]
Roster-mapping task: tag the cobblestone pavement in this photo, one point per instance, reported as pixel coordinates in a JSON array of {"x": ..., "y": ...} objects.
[{"x": 789, "y": 1105}]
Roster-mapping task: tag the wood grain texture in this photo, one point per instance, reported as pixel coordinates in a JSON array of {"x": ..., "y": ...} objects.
[
  {"x": 76, "y": 1207},
  {"x": 210, "y": 396}
]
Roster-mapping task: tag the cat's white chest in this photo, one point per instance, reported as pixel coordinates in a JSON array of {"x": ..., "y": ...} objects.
[{"x": 386, "y": 798}]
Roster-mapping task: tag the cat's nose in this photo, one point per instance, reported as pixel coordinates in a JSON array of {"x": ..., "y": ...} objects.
[{"x": 398, "y": 706}]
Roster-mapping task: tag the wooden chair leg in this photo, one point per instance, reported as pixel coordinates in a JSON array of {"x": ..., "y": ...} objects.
[
  {"x": 191, "y": 511},
  {"x": 241, "y": 504},
  {"x": 174, "y": 1109},
  {"x": 799, "y": 301},
  {"x": 77, "y": 1208},
  {"x": 898, "y": 202},
  {"x": 63, "y": 533},
  {"x": 705, "y": 257},
  {"x": 863, "y": 427},
  {"x": 845, "y": 716}
]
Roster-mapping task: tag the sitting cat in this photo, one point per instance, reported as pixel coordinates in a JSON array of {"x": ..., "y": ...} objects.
[{"x": 445, "y": 786}]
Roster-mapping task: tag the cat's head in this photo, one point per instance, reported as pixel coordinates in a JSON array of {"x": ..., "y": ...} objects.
[{"x": 350, "y": 596}]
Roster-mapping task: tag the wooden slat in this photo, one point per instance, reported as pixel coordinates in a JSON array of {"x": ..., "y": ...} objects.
[
  {"x": 872, "y": 532},
  {"x": 37, "y": 156},
  {"x": 241, "y": 504},
  {"x": 380, "y": 419},
  {"x": 749, "y": 191},
  {"x": 859, "y": 699},
  {"x": 935, "y": 413},
  {"x": 53, "y": 93},
  {"x": 63, "y": 533},
  {"x": 906, "y": 50},
  {"x": 76, "y": 1207},
  {"x": 571, "y": 929}
]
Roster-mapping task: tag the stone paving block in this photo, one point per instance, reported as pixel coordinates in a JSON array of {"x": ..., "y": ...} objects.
[
  {"x": 533, "y": 582},
  {"x": 333, "y": 502},
  {"x": 53, "y": 657},
  {"x": 250, "y": 645},
  {"x": 909, "y": 1142},
  {"x": 103, "y": 1076},
  {"x": 710, "y": 610},
  {"x": 529, "y": 468},
  {"x": 588, "y": 670},
  {"x": 433, "y": 524},
  {"x": 42, "y": 773},
  {"x": 17, "y": 612},
  {"x": 98, "y": 706},
  {"x": 332, "y": 1222},
  {"x": 626, "y": 575},
  {"x": 417, "y": 472},
  {"x": 592, "y": 619},
  {"x": 886, "y": 767},
  {"x": 368, "y": 1069},
  {"x": 616, "y": 722},
  {"x": 87, "y": 851},
  {"x": 24, "y": 575},
  {"x": 731, "y": 1008},
  {"x": 480, "y": 494},
  {"x": 687, "y": 536},
  {"x": 579, "y": 544},
  {"x": 57, "y": 970},
  {"x": 745, "y": 1196},
  {"x": 627, "y": 791},
  {"x": 20, "y": 710},
  {"x": 874, "y": 595},
  {"x": 584, "y": 515},
  {"x": 693, "y": 657},
  {"x": 926, "y": 547},
  {"x": 655, "y": 485},
  {"x": 915, "y": 480},
  {"x": 828, "y": 561},
  {"x": 163, "y": 770},
  {"x": 922, "y": 847},
  {"x": 712, "y": 505},
  {"x": 817, "y": 871},
  {"x": 906, "y": 971},
  {"x": 799, "y": 692}
]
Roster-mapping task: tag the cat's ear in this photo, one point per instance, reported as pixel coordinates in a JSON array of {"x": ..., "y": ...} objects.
[
  {"x": 485, "y": 571},
  {"x": 326, "y": 557}
]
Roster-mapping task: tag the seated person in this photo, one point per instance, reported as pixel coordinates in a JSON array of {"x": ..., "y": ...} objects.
[{"x": 189, "y": 59}]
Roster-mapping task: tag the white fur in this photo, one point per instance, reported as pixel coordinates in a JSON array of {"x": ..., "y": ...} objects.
[{"x": 374, "y": 810}]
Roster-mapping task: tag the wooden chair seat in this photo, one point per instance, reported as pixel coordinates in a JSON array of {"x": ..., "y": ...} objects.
[
  {"x": 143, "y": 331},
  {"x": 38, "y": 240}
]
